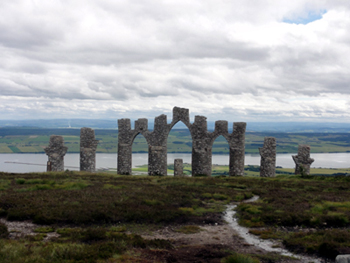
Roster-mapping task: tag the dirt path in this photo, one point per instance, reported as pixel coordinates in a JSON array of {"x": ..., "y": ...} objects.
[
  {"x": 216, "y": 237},
  {"x": 205, "y": 246}
]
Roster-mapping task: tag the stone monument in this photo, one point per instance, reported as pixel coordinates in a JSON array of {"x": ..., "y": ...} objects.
[
  {"x": 303, "y": 160},
  {"x": 56, "y": 151},
  {"x": 88, "y": 146},
  {"x": 268, "y": 157},
  {"x": 202, "y": 143}
]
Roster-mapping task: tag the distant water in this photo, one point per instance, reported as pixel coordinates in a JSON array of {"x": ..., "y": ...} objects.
[{"x": 21, "y": 163}]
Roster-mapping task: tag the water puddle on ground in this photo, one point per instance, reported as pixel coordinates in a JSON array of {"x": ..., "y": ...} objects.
[{"x": 251, "y": 239}]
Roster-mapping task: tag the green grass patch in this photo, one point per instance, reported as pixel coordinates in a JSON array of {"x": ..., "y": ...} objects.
[
  {"x": 46, "y": 229},
  {"x": 14, "y": 149}
]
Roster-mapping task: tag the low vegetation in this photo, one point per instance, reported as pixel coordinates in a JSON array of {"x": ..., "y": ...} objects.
[
  {"x": 100, "y": 216},
  {"x": 34, "y": 140}
]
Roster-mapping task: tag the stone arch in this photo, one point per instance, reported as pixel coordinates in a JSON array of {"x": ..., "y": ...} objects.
[
  {"x": 179, "y": 154},
  {"x": 126, "y": 137},
  {"x": 202, "y": 142},
  {"x": 139, "y": 137},
  {"x": 180, "y": 115}
]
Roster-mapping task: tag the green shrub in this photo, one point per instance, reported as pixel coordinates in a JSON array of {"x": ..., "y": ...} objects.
[{"x": 20, "y": 181}]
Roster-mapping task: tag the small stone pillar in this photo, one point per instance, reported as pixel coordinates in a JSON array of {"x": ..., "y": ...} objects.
[
  {"x": 56, "y": 151},
  {"x": 178, "y": 167},
  {"x": 268, "y": 157},
  {"x": 303, "y": 160},
  {"x": 88, "y": 146}
]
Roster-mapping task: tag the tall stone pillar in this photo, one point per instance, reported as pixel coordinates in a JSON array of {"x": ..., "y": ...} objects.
[
  {"x": 157, "y": 147},
  {"x": 237, "y": 149},
  {"x": 56, "y": 152},
  {"x": 268, "y": 157},
  {"x": 88, "y": 146},
  {"x": 178, "y": 167},
  {"x": 124, "y": 147},
  {"x": 201, "y": 147},
  {"x": 303, "y": 160}
]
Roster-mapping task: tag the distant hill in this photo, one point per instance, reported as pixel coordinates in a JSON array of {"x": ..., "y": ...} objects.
[{"x": 303, "y": 127}]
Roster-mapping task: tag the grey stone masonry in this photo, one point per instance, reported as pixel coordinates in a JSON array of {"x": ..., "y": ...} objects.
[
  {"x": 202, "y": 143},
  {"x": 303, "y": 160},
  {"x": 56, "y": 152},
  {"x": 343, "y": 258},
  {"x": 88, "y": 146},
  {"x": 126, "y": 137},
  {"x": 178, "y": 167},
  {"x": 268, "y": 157},
  {"x": 236, "y": 141}
]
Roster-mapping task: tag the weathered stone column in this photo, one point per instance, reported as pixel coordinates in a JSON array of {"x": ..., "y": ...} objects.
[
  {"x": 268, "y": 157},
  {"x": 178, "y": 167},
  {"x": 124, "y": 147},
  {"x": 237, "y": 149},
  {"x": 201, "y": 147},
  {"x": 303, "y": 160},
  {"x": 88, "y": 146},
  {"x": 157, "y": 147},
  {"x": 56, "y": 152}
]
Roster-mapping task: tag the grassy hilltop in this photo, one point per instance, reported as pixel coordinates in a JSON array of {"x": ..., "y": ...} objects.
[
  {"x": 34, "y": 140},
  {"x": 107, "y": 218}
]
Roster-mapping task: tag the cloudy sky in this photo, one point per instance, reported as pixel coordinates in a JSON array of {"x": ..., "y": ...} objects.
[{"x": 239, "y": 60}]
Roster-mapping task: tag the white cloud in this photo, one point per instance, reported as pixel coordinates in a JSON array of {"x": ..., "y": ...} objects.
[{"x": 231, "y": 59}]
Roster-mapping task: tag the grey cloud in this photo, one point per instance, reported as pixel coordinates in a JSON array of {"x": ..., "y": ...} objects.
[{"x": 184, "y": 52}]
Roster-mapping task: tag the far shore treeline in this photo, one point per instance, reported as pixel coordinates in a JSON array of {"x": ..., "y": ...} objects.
[{"x": 34, "y": 140}]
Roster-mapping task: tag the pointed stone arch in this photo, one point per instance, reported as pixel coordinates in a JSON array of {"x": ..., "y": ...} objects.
[
  {"x": 126, "y": 137},
  {"x": 202, "y": 142}
]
